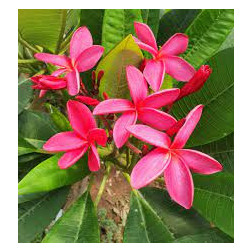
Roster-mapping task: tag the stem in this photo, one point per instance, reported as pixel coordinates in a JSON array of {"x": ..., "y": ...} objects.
[
  {"x": 26, "y": 44},
  {"x": 127, "y": 177},
  {"x": 27, "y": 61},
  {"x": 102, "y": 186},
  {"x": 133, "y": 148},
  {"x": 91, "y": 180}
]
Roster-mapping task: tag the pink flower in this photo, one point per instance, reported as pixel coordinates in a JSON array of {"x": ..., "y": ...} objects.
[
  {"x": 165, "y": 59},
  {"x": 142, "y": 107},
  {"x": 83, "y": 138},
  {"x": 83, "y": 56},
  {"x": 172, "y": 159},
  {"x": 87, "y": 100}
]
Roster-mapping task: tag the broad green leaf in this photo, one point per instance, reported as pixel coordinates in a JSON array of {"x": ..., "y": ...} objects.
[
  {"x": 35, "y": 127},
  {"x": 117, "y": 24},
  {"x": 217, "y": 96},
  {"x": 151, "y": 18},
  {"x": 34, "y": 216},
  {"x": 207, "y": 33},
  {"x": 222, "y": 150},
  {"x": 29, "y": 197},
  {"x": 48, "y": 176},
  {"x": 93, "y": 19},
  {"x": 214, "y": 199},
  {"x": 72, "y": 20},
  {"x": 78, "y": 225},
  {"x": 175, "y": 21},
  {"x": 211, "y": 236},
  {"x": 144, "y": 224},
  {"x": 24, "y": 147},
  {"x": 59, "y": 120},
  {"x": 25, "y": 94},
  {"x": 114, "y": 81},
  {"x": 229, "y": 42}
]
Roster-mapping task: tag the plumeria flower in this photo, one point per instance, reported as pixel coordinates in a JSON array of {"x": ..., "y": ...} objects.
[
  {"x": 164, "y": 60},
  {"x": 83, "y": 56},
  {"x": 87, "y": 100},
  {"x": 47, "y": 82},
  {"x": 172, "y": 160},
  {"x": 83, "y": 138},
  {"x": 141, "y": 107}
]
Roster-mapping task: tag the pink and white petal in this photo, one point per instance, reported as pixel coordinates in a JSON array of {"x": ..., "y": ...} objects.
[
  {"x": 58, "y": 60},
  {"x": 98, "y": 135},
  {"x": 146, "y": 47},
  {"x": 89, "y": 57},
  {"x": 176, "y": 45},
  {"x": 178, "y": 68},
  {"x": 149, "y": 168},
  {"x": 81, "y": 40},
  {"x": 73, "y": 82},
  {"x": 64, "y": 141},
  {"x": 145, "y": 34},
  {"x": 188, "y": 127},
  {"x": 80, "y": 117},
  {"x": 199, "y": 162},
  {"x": 161, "y": 98},
  {"x": 120, "y": 132},
  {"x": 71, "y": 157},
  {"x": 42, "y": 93},
  {"x": 156, "y": 118},
  {"x": 150, "y": 135},
  {"x": 93, "y": 159},
  {"x": 179, "y": 183},
  {"x": 59, "y": 71},
  {"x": 137, "y": 84},
  {"x": 113, "y": 106},
  {"x": 154, "y": 73}
]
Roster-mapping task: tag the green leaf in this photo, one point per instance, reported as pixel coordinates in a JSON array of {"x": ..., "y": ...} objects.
[
  {"x": 217, "y": 95},
  {"x": 211, "y": 236},
  {"x": 93, "y": 19},
  {"x": 173, "y": 22},
  {"x": 24, "y": 147},
  {"x": 25, "y": 94},
  {"x": 78, "y": 225},
  {"x": 222, "y": 150},
  {"x": 151, "y": 18},
  {"x": 144, "y": 224},
  {"x": 59, "y": 120},
  {"x": 48, "y": 176},
  {"x": 214, "y": 199},
  {"x": 28, "y": 197},
  {"x": 72, "y": 20},
  {"x": 34, "y": 216},
  {"x": 207, "y": 33},
  {"x": 114, "y": 81},
  {"x": 229, "y": 42},
  {"x": 117, "y": 24}
]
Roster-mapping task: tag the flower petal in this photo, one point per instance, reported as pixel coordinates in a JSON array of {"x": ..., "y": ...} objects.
[
  {"x": 42, "y": 93},
  {"x": 188, "y": 127},
  {"x": 64, "y": 141},
  {"x": 137, "y": 84},
  {"x": 73, "y": 82},
  {"x": 87, "y": 100},
  {"x": 149, "y": 168},
  {"x": 150, "y": 135},
  {"x": 178, "y": 68},
  {"x": 161, "y": 98},
  {"x": 59, "y": 72},
  {"x": 93, "y": 159},
  {"x": 71, "y": 157},
  {"x": 81, "y": 118},
  {"x": 176, "y": 45},
  {"x": 156, "y": 118},
  {"x": 81, "y": 40},
  {"x": 58, "y": 60},
  {"x": 145, "y": 34},
  {"x": 154, "y": 73},
  {"x": 145, "y": 47},
  {"x": 179, "y": 183},
  {"x": 199, "y": 162},
  {"x": 98, "y": 135},
  {"x": 120, "y": 133},
  {"x": 113, "y": 106},
  {"x": 89, "y": 57},
  {"x": 52, "y": 82}
]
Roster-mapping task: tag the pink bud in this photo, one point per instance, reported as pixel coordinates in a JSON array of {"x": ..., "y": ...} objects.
[
  {"x": 105, "y": 96},
  {"x": 145, "y": 149},
  {"x": 143, "y": 64},
  {"x": 87, "y": 100}
]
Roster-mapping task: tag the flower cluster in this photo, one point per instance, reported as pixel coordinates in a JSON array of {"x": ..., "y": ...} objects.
[{"x": 158, "y": 129}]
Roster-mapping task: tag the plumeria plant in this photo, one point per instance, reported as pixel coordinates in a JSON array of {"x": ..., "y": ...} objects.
[{"x": 144, "y": 119}]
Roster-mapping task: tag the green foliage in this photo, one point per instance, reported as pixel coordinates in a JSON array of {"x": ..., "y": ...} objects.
[
  {"x": 217, "y": 96},
  {"x": 78, "y": 225},
  {"x": 47, "y": 175},
  {"x": 117, "y": 24},
  {"x": 25, "y": 94},
  {"x": 34, "y": 216},
  {"x": 214, "y": 199},
  {"x": 151, "y": 18},
  {"x": 114, "y": 81}
]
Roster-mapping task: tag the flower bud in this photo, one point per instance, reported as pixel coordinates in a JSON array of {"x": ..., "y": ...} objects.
[
  {"x": 87, "y": 100},
  {"x": 145, "y": 149},
  {"x": 196, "y": 82},
  {"x": 105, "y": 96}
]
